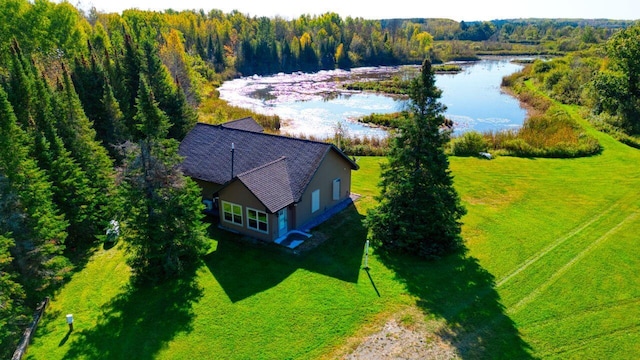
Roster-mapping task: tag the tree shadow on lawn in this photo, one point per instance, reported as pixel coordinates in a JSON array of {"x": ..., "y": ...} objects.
[
  {"x": 457, "y": 289},
  {"x": 244, "y": 269},
  {"x": 139, "y": 322}
]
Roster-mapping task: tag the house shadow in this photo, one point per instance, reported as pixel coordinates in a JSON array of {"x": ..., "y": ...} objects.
[
  {"x": 139, "y": 322},
  {"x": 457, "y": 289},
  {"x": 244, "y": 269}
]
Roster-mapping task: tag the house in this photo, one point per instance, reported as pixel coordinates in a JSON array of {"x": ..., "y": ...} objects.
[{"x": 265, "y": 185}]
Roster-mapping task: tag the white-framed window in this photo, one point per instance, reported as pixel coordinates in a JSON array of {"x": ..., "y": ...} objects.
[
  {"x": 232, "y": 213},
  {"x": 257, "y": 220},
  {"x": 315, "y": 200},
  {"x": 336, "y": 189}
]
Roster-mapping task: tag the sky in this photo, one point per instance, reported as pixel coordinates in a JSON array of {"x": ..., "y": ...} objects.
[{"x": 467, "y": 10}]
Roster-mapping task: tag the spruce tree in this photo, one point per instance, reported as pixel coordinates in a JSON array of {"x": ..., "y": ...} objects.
[
  {"x": 28, "y": 211},
  {"x": 115, "y": 130},
  {"x": 170, "y": 97},
  {"x": 20, "y": 87},
  {"x": 162, "y": 221},
  {"x": 99, "y": 103},
  {"x": 12, "y": 311},
  {"x": 72, "y": 192},
  {"x": 79, "y": 138},
  {"x": 129, "y": 69},
  {"x": 419, "y": 210}
]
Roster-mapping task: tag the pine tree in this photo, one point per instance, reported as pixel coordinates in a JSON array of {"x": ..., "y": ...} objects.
[
  {"x": 170, "y": 97},
  {"x": 20, "y": 87},
  {"x": 28, "y": 211},
  {"x": 185, "y": 116},
  {"x": 88, "y": 79},
  {"x": 112, "y": 119},
  {"x": 79, "y": 138},
  {"x": 99, "y": 103},
  {"x": 419, "y": 210},
  {"x": 131, "y": 68},
  {"x": 12, "y": 311},
  {"x": 72, "y": 192},
  {"x": 163, "y": 227}
]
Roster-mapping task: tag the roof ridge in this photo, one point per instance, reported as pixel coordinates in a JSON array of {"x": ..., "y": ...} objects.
[
  {"x": 262, "y": 166},
  {"x": 273, "y": 135},
  {"x": 284, "y": 137},
  {"x": 236, "y": 120}
]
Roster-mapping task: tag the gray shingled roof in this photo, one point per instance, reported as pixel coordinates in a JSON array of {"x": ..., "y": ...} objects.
[
  {"x": 276, "y": 169},
  {"x": 270, "y": 183},
  {"x": 248, "y": 124}
]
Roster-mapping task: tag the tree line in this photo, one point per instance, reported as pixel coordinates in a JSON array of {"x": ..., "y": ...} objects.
[
  {"x": 604, "y": 80},
  {"x": 90, "y": 123}
]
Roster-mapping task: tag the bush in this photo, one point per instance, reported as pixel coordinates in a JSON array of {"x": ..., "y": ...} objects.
[
  {"x": 519, "y": 147},
  {"x": 471, "y": 143}
]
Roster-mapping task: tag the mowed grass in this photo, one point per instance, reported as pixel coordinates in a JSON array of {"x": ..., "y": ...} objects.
[{"x": 551, "y": 271}]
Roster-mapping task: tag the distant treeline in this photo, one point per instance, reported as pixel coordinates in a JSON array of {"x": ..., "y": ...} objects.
[{"x": 235, "y": 43}]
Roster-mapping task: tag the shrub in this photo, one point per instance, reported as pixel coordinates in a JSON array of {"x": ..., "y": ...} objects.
[
  {"x": 471, "y": 143},
  {"x": 519, "y": 147}
]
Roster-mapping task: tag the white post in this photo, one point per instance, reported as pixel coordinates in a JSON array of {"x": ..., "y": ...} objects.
[
  {"x": 70, "y": 321},
  {"x": 366, "y": 255}
]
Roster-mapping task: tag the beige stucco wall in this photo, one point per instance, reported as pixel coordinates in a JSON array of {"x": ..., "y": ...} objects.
[
  {"x": 208, "y": 188},
  {"x": 333, "y": 166},
  {"x": 238, "y": 194}
]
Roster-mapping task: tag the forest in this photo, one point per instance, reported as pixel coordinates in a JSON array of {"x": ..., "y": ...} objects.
[{"x": 85, "y": 97}]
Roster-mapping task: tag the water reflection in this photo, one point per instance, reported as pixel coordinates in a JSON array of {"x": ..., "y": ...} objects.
[{"x": 314, "y": 103}]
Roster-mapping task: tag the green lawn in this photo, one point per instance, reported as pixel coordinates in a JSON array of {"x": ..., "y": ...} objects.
[{"x": 551, "y": 271}]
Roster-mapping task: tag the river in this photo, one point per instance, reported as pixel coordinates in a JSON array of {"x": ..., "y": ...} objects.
[{"x": 314, "y": 103}]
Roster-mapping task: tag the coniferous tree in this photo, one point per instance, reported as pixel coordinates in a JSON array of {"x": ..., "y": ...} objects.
[
  {"x": 72, "y": 192},
  {"x": 29, "y": 213},
  {"x": 419, "y": 210},
  {"x": 113, "y": 124},
  {"x": 20, "y": 87},
  {"x": 79, "y": 138},
  {"x": 185, "y": 116},
  {"x": 12, "y": 312},
  {"x": 163, "y": 227},
  {"x": 88, "y": 79},
  {"x": 130, "y": 68},
  {"x": 99, "y": 103},
  {"x": 170, "y": 97}
]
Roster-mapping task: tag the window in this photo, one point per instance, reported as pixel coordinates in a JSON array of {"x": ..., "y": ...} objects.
[
  {"x": 257, "y": 220},
  {"x": 315, "y": 200},
  {"x": 232, "y": 213},
  {"x": 336, "y": 189}
]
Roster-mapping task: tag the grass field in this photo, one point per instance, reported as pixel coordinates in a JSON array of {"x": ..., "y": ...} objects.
[{"x": 551, "y": 271}]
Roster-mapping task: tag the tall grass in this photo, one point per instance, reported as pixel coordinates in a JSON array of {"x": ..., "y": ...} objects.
[
  {"x": 353, "y": 145},
  {"x": 549, "y": 131},
  {"x": 214, "y": 110}
]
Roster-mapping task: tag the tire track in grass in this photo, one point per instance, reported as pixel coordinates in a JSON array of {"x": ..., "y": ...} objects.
[
  {"x": 553, "y": 278},
  {"x": 530, "y": 261},
  {"x": 605, "y": 307},
  {"x": 585, "y": 343}
]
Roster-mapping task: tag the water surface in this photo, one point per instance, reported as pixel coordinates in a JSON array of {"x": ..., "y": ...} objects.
[{"x": 314, "y": 103}]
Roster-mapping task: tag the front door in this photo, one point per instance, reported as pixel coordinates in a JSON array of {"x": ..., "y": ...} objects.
[{"x": 282, "y": 222}]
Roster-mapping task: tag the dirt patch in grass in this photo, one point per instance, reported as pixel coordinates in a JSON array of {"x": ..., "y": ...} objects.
[{"x": 406, "y": 336}]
